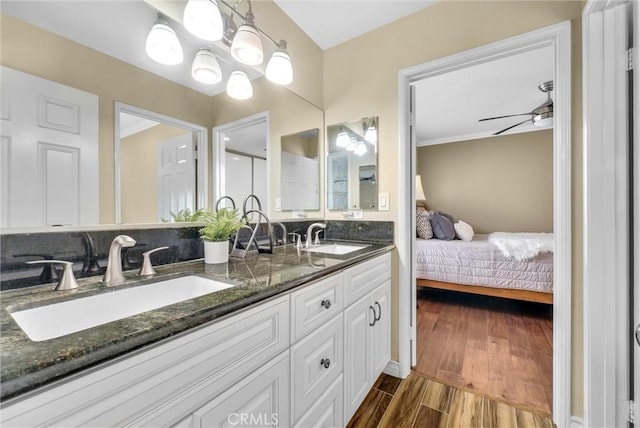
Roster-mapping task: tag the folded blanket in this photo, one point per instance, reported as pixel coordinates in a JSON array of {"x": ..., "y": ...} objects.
[{"x": 522, "y": 246}]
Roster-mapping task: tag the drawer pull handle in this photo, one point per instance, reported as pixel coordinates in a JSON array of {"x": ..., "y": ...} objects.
[
  {"x": 371, "y": 324},
  {"x": 379, "y": 311},
  {"x": 326, "y": 303},
  {"x": 325, "y": 362}
]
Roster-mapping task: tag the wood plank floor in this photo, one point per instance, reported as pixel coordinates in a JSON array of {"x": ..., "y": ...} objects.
[
  {"x": 417, "y": 402},
  {"x": 496, "y": 347}
]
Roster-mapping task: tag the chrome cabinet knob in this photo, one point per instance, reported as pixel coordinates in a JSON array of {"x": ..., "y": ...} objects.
[
  {"x": 325, "y": 362},
  {"x": 326, "y": 303}
]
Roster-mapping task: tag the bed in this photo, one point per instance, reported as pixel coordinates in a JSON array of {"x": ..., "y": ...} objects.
[{"x": 480, "y": 267}]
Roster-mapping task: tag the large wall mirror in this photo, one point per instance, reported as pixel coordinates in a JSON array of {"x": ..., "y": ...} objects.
[
  {"x": 126, "y": 182},
  {"x": 352, "y": 173}
]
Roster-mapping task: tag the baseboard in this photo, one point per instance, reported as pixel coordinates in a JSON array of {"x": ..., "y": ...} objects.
[
  {"x": 577, "y": 422},
  {"x": 392, "y": 369}
]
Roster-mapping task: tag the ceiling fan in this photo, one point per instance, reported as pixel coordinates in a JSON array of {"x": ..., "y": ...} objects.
[{"x": 540, "y": 116}]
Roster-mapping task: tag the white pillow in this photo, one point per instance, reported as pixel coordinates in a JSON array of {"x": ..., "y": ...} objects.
[{"x": 464, "y": 231}]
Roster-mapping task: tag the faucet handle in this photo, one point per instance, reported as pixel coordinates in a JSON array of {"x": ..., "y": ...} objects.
[
  {"x": 147, "y": 267},
  {"x": 317, "y": 240},
  {"x": 296, "y": 239},
  {"x": 67, "y": 280}
]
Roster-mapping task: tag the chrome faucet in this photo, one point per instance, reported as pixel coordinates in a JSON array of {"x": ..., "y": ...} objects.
[
  {"x": 310, "y": 233},
  {"x": 114, "y": 275}
]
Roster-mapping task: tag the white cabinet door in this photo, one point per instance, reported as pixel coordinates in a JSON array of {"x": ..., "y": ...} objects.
[
  {"x": 381, "y": 342},
  {"x": 259, "y": 400},
  {"x": 358, "y": 319},
  {"x": 327, "y": 412}
]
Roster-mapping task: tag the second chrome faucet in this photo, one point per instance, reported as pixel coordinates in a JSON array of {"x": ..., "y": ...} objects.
[{"x": 114, "y": 274}]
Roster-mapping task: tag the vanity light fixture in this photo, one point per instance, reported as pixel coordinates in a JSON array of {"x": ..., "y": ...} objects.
[
  {"x": 239, "y": 86},
  {"x": 342, "y": 140},
  {"x": 360, "y": 149},
  {"x": 247, "y": 45},
  {"x": 205, "y": 68},
  {"x": 371, "y": 135},
  {"x": 162, "y": 43},
  {"x": 202, "y": 18},
  {"x": 279, "y": 69}
]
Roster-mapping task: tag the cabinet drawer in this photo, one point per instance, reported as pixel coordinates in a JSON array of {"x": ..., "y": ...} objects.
[
  {"x": 315, "y": 304},
  {"x": 328, "y": 411},
  {"x": 365, "y": 277},
  {"x": 161, "y": 385},
  {"x": 316, "y": 362},
  {"x": 261, "y": 399}
]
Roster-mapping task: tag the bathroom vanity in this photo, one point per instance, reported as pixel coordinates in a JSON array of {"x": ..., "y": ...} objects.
[{"x": 298, "y": 339}]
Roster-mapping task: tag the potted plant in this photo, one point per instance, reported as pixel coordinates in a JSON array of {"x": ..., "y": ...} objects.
[{"x": 219, "y": 228}]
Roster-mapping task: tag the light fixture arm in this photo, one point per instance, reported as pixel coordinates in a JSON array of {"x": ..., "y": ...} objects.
[{"x": 248, "y": 17}]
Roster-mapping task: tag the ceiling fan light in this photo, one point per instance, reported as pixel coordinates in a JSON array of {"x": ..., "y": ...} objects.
[
  {"x": 202, "y": 18},
  {"x": 342, "y": 140},
  {"x": 205, "y": 68},
  {"x": 247, "y": 45},
  {"x": 239, "y": 86},
  {"x": 279, "y": 69},
  {"x": 543, "y": 120},
  {"x": 163, "y": 45}
]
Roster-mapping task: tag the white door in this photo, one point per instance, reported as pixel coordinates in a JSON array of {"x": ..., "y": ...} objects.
[
  {"x": 238, "y": 181},
  {"x": 49, "y": 152},
  {"x": 176, "y": 176}
]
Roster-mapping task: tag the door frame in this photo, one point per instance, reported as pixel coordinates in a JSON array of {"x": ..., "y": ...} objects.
[
  {"x": 558, "y": 36},
  {"x": 202, "y": 137},
  {"x": 606, "y": 225}
]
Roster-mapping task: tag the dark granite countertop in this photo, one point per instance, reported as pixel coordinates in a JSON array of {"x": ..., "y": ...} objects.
[{"x": 26, "y": 365}]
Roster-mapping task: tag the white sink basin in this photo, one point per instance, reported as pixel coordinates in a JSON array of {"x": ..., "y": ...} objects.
[
  {"x": 59, "y": 319},
  {"x": 337, "y": 249}
]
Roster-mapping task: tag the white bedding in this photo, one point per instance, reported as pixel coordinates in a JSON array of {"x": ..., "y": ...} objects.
[{"x": 479, "y": 262}]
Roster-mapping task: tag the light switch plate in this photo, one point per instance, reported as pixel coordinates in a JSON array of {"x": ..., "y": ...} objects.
[{"x": 383, "y": 201}]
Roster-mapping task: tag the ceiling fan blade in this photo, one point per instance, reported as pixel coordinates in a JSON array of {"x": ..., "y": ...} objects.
[
  {"x": 509, "y": 115},
  {"x": 512, "y": 126}
]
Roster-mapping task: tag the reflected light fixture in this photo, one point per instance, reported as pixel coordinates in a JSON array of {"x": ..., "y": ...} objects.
[
  {"x": 247, "y": 45},
  {"x": 239, "y": 86},
  {"x": 162, "y": 43},
  {"x": 352, "y": 145},
  {"x": 342, "y": 140},
  {"x": 205, "y": 68},
  {"x": 360, "y": 149},
  {"x": 370, "y": 134},
  {"x": 279, "y": 69},
  {"x": 202, "y": 18}
]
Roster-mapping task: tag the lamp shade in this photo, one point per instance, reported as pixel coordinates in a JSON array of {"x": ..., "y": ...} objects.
[
  {"x": 202, "y": 18},
  {"x": 279, "y": 69},
  {"x": 360, "y": 149},
  {"x": 247, "y": 46},
  {"x": 239, "y": 86},
  {"x": 371, "y": 135},
  {"x": 163, "y": 45},
  {"x": 342, "y": 140},
  {"x": 205, "y": 68},
  {"x": 419, "y": 191}
]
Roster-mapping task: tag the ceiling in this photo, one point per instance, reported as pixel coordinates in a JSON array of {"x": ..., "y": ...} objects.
[{"x": 499, "y": 87}]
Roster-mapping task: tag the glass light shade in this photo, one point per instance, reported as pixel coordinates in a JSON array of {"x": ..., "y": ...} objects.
[
  {"x": 205, "y": 68},
  {"x": 239, "y": 86},
  {"x": 202, "y": 18},
  {"x": 360, "y": 149},
  {"x": 279, "y": 68},
  {"x": 247, "y": 46},
  {"x": 543, "y": 120},
  {"x": 352, "y": 145},
  {"x": 371, "y": 135},
  {"x": 342, "y": 140},
  {"x": 163, "y": 45}
]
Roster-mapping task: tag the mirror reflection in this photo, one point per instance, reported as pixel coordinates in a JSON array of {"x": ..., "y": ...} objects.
[
  {"x": 300, "y": 171},
  {"x": 157, "y": 167},
  {"x": 352, "y": 165}
]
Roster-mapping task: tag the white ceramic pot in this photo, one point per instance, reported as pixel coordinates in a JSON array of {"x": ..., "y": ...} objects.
[{"x": 216, "y": 252}]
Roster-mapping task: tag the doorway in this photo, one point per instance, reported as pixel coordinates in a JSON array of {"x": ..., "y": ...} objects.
[{"x": 557, "y": 36}]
